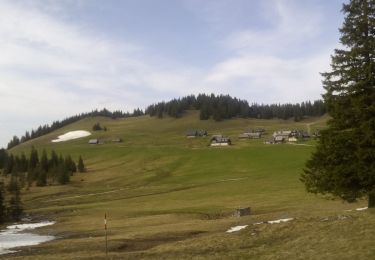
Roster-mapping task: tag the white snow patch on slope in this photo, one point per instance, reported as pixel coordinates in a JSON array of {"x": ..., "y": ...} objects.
[
  {"x": 360, "y": 209},
  {"x": 278, "y": 221},
  {"x": 236, "y": 228},
  {"x": 13, "y": 236},
  {"x": 71, "y": 135}
]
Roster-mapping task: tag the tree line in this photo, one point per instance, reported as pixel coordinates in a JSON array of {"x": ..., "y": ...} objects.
[
  {"x": 219, "y": 107},
  {"x": 45, "y": 129},
  {"x": 39, "y": 170},
  {"x": 21, "y": 171}
]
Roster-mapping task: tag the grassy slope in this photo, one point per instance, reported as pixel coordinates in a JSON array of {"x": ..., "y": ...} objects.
[{"x": 172, "y": 197}]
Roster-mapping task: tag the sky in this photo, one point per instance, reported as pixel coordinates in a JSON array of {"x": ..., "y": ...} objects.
[{"x": 63, "y": 57}]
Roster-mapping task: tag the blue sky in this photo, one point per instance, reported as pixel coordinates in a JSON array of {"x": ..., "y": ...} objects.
[{"x": 63, "y": 57}]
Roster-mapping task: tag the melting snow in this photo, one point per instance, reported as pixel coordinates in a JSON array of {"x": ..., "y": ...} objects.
[
  {"x": 236, "y": 228},
  {"x": 71, "y": 135},
  {"x": 13, "y": 237},
  {"x": 278, "y": 221},
  {"x": 360, "y": 209}
]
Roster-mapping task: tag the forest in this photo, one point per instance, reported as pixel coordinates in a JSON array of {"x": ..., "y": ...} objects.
[
  {"x": 220, "y": 107},
  {"x": 217, "y": 107}
]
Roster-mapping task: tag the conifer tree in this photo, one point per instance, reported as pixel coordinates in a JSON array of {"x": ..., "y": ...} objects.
[
  {"x": 3, "y": 158},
  {"x": 9, "y": 164},
  {"x": 81, "y": 166},
  {"x": 63, "y": 172},
  {"x": 34, "y": 159},
  {"x": 2, "y": 204},
  {"x": 23, "y": 163},
  {"x": 15, "y": 209},
  {"x": 44, "y": 161},
  {"x": 41, "y": 178},
  {"x": 344, "y": 161}
]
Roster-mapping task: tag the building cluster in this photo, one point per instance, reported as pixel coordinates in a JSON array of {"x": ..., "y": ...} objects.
[
  {"x": 280, "y": 136},
  {"x": 252, "y": 134},
  {"x": 291, "y": 136}
]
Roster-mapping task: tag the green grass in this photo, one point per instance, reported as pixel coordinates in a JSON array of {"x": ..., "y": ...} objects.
[{"x": 172, "y": 197}]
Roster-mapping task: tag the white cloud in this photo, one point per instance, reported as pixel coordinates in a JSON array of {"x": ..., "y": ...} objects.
[
  {"x": 51, "y": 68},
  {"x": 278, "y": 64}
]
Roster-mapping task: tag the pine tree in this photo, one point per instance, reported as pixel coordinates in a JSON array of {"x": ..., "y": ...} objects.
[
  {"x": 344, "y": 161},
  {"x": 44, "y": 161},
  {"x": 34, "y": 159},
  {"x": 81, "y": 166},
  {"x": 63, "y": 173},
  {"x": 3, "y": 158},
  {"x": 2, "y": 204},
  {"x": 41, "y": 179},
  {"x": 70, "y": 164},
  {"x": 15, "y": 209}
]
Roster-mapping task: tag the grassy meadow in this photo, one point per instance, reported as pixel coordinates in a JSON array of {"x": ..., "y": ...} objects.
[{"x": 169, "y": 197}]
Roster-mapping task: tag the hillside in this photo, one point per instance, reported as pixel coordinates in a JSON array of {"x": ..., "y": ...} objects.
[{"x": 172, "y": 197}]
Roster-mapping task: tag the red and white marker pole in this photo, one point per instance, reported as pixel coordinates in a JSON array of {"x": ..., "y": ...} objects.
[{"x": 105, "y": 230}]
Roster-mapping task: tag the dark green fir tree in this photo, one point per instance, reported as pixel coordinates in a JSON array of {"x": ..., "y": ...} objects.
[
  {"x": 344, "y": 161},
  {"x": 81, "y": 166},
  {"x": 15, "y": 208},
  {"x": 2, "y": 204}
]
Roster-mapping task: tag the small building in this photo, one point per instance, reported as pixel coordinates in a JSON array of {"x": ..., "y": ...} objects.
[
  {"x": 216, "y": 137},
  {"x": 305, "y": 135},
  {"x": 191, "y": 134},
  {"x": 279, "y": 139},
  {"x": 202, "y": 133},
  {"x": 94, "y": 141},
  {"x": 260, "y": 130},
  {"x": 255, "y": 135},
  {"x": 284, "y": 133},
  {"x": 244, "y": 136},
  {"x": 116, "y": 140},
  {"x": 242, "y": 212},
  {"x": 292, "y": 139},
  {"x": 221, "y": 141},
  {"x": 196, "y": 133},
  {"x": 250, "y": 135},
  {"x": 270, "y": 141}
]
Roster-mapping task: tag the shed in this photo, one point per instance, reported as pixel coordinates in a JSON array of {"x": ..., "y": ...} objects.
[
  {"x": 244, "y": 136},
  {"x": 202, "y": 132},
  {"x": 255, "y": 135},
  {"x": 94, "y": 141},
  {"x": 117, "y": 140},
  {"x": 216, "y": 137},
  {"x": 292, "y": 139},
  {"x": 191, "y": 133},
  {"x": 223, "y": 141},
  {"x": 240, "y": 212},
  {"x": 279, "y": 139}
]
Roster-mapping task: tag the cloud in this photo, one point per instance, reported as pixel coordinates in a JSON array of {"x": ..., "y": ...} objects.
[
  {"x": 51, "y": 67},
  {"x": 278, "y": 64}
]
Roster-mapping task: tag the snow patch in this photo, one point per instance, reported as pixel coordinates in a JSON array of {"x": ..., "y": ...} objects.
[
  {"x": 236, "y": 228},
  {"x": 278, "y": 221},
  {"x": 360, "y": 209},
  {"x": 13, "y": 237},
  {"x": 71, "y": 135}
]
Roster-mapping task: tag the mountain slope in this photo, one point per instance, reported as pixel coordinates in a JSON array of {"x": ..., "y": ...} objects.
[{"x": 172, "y": 197}]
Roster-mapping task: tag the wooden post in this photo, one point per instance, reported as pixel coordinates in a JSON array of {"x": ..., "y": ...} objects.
[{"x": 105, "y": 230}]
